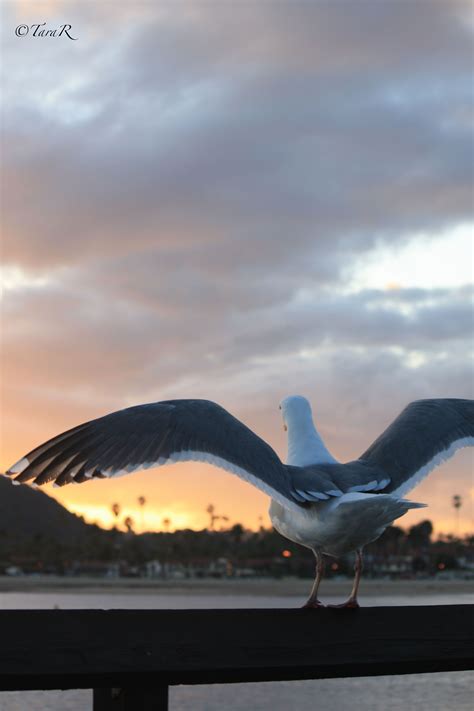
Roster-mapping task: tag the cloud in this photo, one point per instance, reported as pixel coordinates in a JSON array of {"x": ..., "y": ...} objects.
[
  {"x": 130, "y": 334},
  {"x": 187, "y": 193},
  {"x": 251, "y": 131}
]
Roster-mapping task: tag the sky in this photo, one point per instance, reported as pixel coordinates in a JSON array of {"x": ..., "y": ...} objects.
[{"x": 236, "y": 201}]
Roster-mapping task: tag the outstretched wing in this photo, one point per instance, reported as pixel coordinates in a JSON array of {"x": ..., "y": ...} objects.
[
  {"x": 426, "y": 433},
  {"x": 152, "y": 435}
]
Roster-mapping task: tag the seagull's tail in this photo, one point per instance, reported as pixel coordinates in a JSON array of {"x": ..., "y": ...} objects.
[{"x": 412, "y": 504}]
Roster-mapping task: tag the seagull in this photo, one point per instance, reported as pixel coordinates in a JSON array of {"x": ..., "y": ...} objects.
[{"x": 327, "y": 506}]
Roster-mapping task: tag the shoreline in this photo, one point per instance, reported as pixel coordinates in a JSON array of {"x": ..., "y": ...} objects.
[{"x": 282, "y": 587}]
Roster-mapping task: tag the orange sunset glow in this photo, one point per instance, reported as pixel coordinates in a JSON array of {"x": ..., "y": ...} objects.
[{"x": 278, "y": 206}]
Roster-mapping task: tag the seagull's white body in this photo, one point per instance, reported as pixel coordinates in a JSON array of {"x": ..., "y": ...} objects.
[
  {"x": 334, "y": 527},
  {"x": 337, "y": 526}
]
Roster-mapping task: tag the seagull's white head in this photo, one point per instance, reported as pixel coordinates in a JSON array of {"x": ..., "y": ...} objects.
[{"x": 296, "y": 412}]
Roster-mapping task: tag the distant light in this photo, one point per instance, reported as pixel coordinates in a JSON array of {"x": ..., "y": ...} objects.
[
  {"x": 441, "y": 566},
  {"x": 335, "y": 566},
  {"x": 286, "y": 554}
]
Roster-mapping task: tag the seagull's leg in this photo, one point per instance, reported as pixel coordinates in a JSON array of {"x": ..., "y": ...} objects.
[
  {"x": 358, "y": 572},
  {"x": 352, "y": 601},
  {"x": 313, "y": 601}
]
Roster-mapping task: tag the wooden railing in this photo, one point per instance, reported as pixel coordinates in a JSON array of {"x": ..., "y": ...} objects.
[{"x": 130, "y": 657}]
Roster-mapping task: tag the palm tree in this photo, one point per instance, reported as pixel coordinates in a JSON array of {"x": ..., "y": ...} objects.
[
  {"x": 457, "y": 503},
  {"x": 115, "y": 508},
  {"x": 141, "y": 502},
  {"x": 116, "y": 512},
  {"x": 211, "y": 510},
  {"x": 128, "y": 523}
]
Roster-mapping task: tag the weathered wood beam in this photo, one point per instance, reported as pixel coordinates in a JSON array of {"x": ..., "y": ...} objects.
[{"x": 132, "y": 649}]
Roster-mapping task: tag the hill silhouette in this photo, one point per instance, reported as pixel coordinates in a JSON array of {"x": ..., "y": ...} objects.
[{"x": 26, "y": 512}]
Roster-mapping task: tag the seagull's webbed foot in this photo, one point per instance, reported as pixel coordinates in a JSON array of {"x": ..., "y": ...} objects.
[
  {"x": 312, "y": 605},
  {"x": 350, "y": 604}
]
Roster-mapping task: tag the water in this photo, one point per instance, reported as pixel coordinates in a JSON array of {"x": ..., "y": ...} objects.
[{"x": 425, "y": 692}]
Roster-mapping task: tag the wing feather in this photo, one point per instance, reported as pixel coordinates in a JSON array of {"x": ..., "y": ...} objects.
[{"x": 426, "y": 433}]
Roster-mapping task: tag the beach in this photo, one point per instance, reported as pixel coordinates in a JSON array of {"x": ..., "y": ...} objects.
[{"x": 281, "y": 587}]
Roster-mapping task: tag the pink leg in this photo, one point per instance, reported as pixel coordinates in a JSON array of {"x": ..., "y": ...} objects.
[
  {"x": 352, "y": 601},
  {"x": 312, "y": 601}
]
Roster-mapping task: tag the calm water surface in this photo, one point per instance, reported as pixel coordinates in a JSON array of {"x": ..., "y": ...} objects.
[{"x": 423, "y": 692}]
